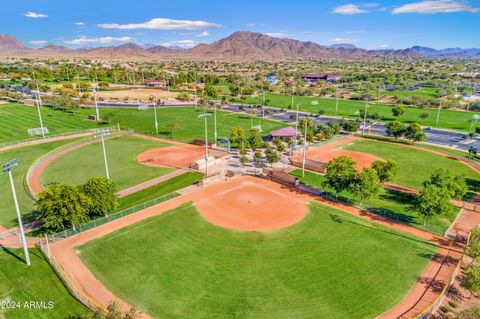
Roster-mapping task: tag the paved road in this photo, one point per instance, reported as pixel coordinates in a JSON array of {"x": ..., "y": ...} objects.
[{"x": 434, "y": 136}]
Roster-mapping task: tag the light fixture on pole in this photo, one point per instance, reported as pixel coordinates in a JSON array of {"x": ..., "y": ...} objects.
[
  {"x": 195, "y": 90},
  {"x": 39, "y": 105},
  {"x": 304, "y": 159},
  {"x": 365, "y": 118},
  {"x": 439, "y": 109},
  {"x": 7, "y": 168},
  {"x": 336, "y": 104},
  {"x": 296, "y": 122},
  {"x": 154, "y": 105},
  {"x": 102, "y": 132},
  {"x": 94, "y": 90},
  {"x": 205, "y": 116},
  {"x": 215, "y": 118}
]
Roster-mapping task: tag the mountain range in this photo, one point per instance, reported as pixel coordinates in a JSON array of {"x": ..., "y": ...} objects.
[{"x": 237, "y": 47}]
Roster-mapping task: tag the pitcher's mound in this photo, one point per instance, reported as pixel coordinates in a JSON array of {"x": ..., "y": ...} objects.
[{"x": 253, "y": 206}]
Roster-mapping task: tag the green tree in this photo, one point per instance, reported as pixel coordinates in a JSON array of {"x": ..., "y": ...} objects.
[
  {"x": 473, "y": 248},
  {"x": 102, "y": 196},
  {"x": 424, "y": 116},
  {"x": 471, "y": 279},
  {"x": 255, "y": 139},
  {"x": 271, "y": 156},
  {"x": 431, "y": 200},
  {"x": 395, "y": 129},
  {"x": 470, "y": 313},
  {"x": 210, "y": 93},
  {"x": 366, "y": 184},
  {"x": 115, "y": 312},
  {"x": 386, "y": 170},
  {"x": 454, "y": 185},
  {"x": 61, "y": 206},
  {"x": 398, "y": 110},
  {"x": 340, "y": 173},
  {"x": 415, "y": 133}
]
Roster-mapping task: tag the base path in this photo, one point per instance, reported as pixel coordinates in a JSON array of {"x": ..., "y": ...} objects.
[{"x": 203, "y": 198}]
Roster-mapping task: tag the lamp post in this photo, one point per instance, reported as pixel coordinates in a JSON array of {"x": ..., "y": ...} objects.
[
  {"x": 365, "y": 118},
  {"x": 39, "y": 105},
  {"x": 296, "y": 120},
  {"x": 205, "y": 116},
  {"x": 102, "y": 133},
  {"x": 7, "y": 168}
]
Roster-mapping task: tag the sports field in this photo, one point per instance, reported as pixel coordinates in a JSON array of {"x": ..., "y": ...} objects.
[
  {"x": 16, "y": 119},
  {"x": 142, "y": 94},
  {"x": 25, "y": 157},
  {"x": 415, "y": 166},
  {"x": 423, "y": 92},
  {"x": 38, "y": 282},
  {"x": 313, "y": 269},
  {"x": 450, "y": 119},
  {"x": 389, "y": 203},
  {"x": 85, "y": 162}
]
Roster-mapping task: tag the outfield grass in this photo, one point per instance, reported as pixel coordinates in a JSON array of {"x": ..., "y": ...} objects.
[
  {"x": 16, "y": 119},
  {"x": 389, "y": 203},
  {"x": 415, "y": 166},
  {"x": 37, "y": 282},
  {"x": 25, "y": 157},
  {"x": 160, "y": 189},
  {"x": 78, "y": 165},
  {"x": 423, "y": 92},
  {"x": 450, "y": 119},
  {"x": 189, "y": 126},
  {"x": 329, "y": 265}
]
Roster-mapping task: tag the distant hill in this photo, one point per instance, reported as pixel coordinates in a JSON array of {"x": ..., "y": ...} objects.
[{"x": 237, "y": 47}]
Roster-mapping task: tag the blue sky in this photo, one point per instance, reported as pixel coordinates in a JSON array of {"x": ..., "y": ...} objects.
[{"x": 372, "y": 25}]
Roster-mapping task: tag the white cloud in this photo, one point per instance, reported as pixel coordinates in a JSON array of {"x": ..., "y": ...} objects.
[
  {"x": 163, "y": 24},
  {"x": 102, "y": 40},
  {"x": 80, "y": 23},
  {"x": 344, "y": 40},
  {"x": 276, "y": 34},
  {"x": 35, "y": 15},
  {"x": 204, "y": 34},
  {"x": 349, "y": 9},
  {"x": 355, "y": 31},
  {"x": 186, "y": 44},
  {"x": 251, "y": 24},
  {"x": 38, "y": 42},
  {"x": 384, "y": 46},
  {"x": 435, "y": 6}
]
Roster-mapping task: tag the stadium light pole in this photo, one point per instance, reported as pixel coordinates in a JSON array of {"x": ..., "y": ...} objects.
[
  {"x": 7, "y": 168},
  {"x": 205, "y": 116},
  {"x": 438, "y": 113},
  {"x": 336, "y": 103},
  {"x": 296, "y": 120},
  {"x": 94, "y": 90},
  {"x": 39, "y": 105},
  {"x": 155, "y": 112},
  {"x": 304, "y": 147},
  {"x": 215, "y": 118},
  {"x": 365, "y": 118},
  {"x": 102, "y": 133},
  {"x": 195, "y": 90}
]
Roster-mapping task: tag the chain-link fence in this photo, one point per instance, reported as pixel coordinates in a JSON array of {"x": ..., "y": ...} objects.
[
  {"x": 79, "y": 295},
  {"x": 106, "y": 219},
  {"x": 51, "y": 136}
]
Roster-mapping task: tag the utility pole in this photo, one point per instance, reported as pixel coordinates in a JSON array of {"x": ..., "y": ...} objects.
[
  {"x": 39, "y": 105},
  {"x": 7, "y": 168}
]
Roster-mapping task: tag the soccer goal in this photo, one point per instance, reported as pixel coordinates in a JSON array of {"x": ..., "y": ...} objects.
[
  {"x": 142, "y": 107},
  {"x": 37, "y": 131}
]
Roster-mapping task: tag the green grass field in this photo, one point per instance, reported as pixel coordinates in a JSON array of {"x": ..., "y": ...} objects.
[
  {"x": 450, "y": 119},
  {"x": 78, "y": 165},
  {"x": 314, "y": 269},
  {"x": 160, "y": 189},
  {"x": 388, "y": 203},
  {"x": 423, "y": 92},
  {"x": 16, "y": 119},
  {"x": 25, "y": 157},
  {"x": 415, "y": 166},
  {"x": 38, "y": 282}
]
